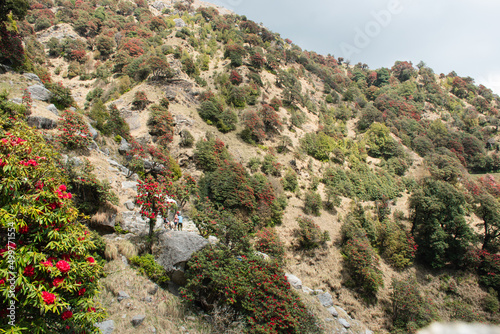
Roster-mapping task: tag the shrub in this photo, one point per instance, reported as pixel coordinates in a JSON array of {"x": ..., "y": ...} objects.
[
  {"x": 271, "y": 166},
  {"x": 105, "y": 45},
  {"x": 397, "y": 244},
  {"x": 148, "y": 266},
  {"x": 209, "y": 154},
  {"x": 229, "y": 185},
  {"x": 255, "y": 288},
  {"x": 362, "y": 263},
  {"x": 11, "y": 48},
  {"x": 289, "y": 181},
  {"x": 253, "y": 164},
  {"x": 213, "y": 111},
  {"x": 55, "y": 272},
  {"x": 267, "y": 241},
  {"x": 254, "y": 127},
  {"x": 490, "y": 302},
  {"x": 89, "y": 193},
  {"x": 187, "y": 139},
  {"x": 312, "y": 203},
  {"x": 140, "y": 100},
  {"x": 61, "y": 96},
  {"x": 161, "y": 124},
  {"x": 409, "y": 307},
  {"x": 74, "y": 133},
  {"x": 235, "y": 78},
  {"x": 309, "y": 235}
]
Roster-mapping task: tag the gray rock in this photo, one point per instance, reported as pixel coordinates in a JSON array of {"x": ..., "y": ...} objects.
[
  {"x": 326, "y": 299},
  {"x": 307, "y": 290},
  {"x": 129, "y": 205},
  {"x": 134, "y": 177},
  {"x": 92, "y": 131},
  {"x": 76, "y": 161},
  {"x": 170, "y": 93},
  {"x": 180, "y": 23},
  {"x": 333, "y": 311},
  {"x": 41, "y": 122},
  {"x": 52, "y": 108},
  {"x": 148, "y": 299},
  {"x": 124, "y": 260},
  {"x": 152, "y": 329},
  {"x": 124, "y": 146},
  {"x": 93, "y": 146},
  {"x": 105, "y": 151},
  {"x": 72, "y": 109},
  {"x": 133, "y": 222},
  {"x": 341, "y": 310},
  {"x": 130, "y": 185},
  {"x": 158, "y": 5},
  {"x": 39, "y": 92},
  {"x": 344, "y": 322},
  {"x": 329, "y": 319},
  {"x": 122, "y": 295},
  {"x": 175, "y": 249},
  {"x": 318, "y": 291},
  {"x": 294, "y": 281},
  {"x": 153, "y": 289},
  {"x": 368, "y": 331},
  {"x": 137, "y": 320},
  {"x": 106, "y": 327},
  {"x": 32, "y": 76},
  {"x": 17, "y": 100},
  {"x": 181, "y": 119},
  {"x": 212, "y": 240}
]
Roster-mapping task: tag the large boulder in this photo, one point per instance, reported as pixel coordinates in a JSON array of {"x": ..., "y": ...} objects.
[
  {"x": 53, "y": 109},
  {"x": 106, "y": 327},
  {"x": 124, "y": 146},
  {"x": 294, "y": 281},
  {"x": 32, "y": 76},
  {"x": 39, "y": 92},
  {"x": 41, "y": 122},
  {"x": 174, "y": 249},
  {"x": 180, "y": 23}
]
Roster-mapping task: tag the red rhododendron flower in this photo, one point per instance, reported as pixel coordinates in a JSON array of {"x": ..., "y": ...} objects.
[
  {"x": 57, "y": 281},
  {"x": 90, "y": 260},
  {"x": 81, "y": 291},
  {"x": 48, "y": 297},
  {"x": 2, "y": 281},
  {"x": 62, "y": 187},
  {"x": 63, "y": 266},
  {"x": 66, "y": 315},
  {"x": 29, "y": 271},
  {"x": 23, "y": 229},
  {"x": 91, "y": 309}
]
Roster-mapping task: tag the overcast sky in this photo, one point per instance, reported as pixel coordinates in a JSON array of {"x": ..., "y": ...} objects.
[{"x": 448, "y": 35}]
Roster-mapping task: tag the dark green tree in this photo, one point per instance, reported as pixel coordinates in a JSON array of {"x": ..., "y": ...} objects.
[{"x": 439, "y": 227}]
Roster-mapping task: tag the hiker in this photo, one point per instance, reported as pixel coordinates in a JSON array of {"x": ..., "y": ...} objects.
[
  {"x": 168, "y": 224},
  {"x": 176, "y": 220},
  {"x": 179, "y": 226}
]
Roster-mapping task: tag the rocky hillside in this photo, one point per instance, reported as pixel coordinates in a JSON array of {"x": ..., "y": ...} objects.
[{"x": 374, "y": 190}]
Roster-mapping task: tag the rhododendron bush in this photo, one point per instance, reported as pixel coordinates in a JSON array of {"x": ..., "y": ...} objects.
[
  {"x": 253, "y": 287},
  {"x": 47, "y": 266}
]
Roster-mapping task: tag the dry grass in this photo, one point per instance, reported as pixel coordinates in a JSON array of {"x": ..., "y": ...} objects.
[
  {"x": 116, "y": 248},
  {"x": 164, "y": 312}
]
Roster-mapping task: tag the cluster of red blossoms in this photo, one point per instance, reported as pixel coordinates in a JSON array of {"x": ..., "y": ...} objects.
[{"x": 61, "y": 192}]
